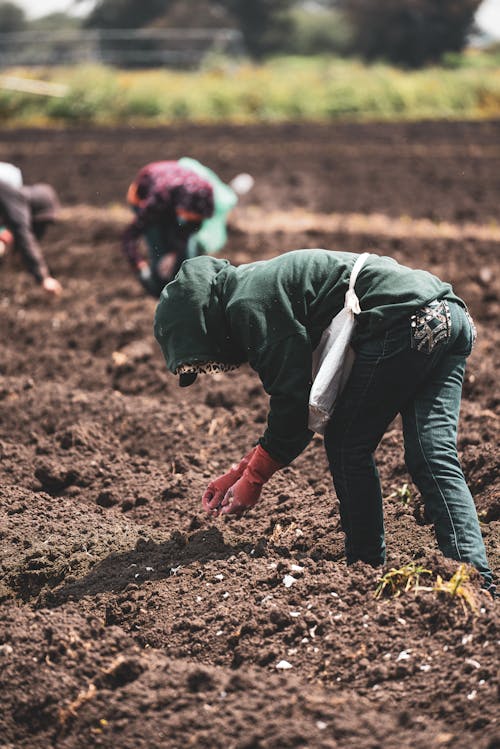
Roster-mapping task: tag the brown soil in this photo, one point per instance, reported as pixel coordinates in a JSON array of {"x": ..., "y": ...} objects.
[{"x": 127, "y": 618}]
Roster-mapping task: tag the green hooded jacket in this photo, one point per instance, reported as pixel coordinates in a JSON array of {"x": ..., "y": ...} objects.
[{"x": 272, "y": 313}]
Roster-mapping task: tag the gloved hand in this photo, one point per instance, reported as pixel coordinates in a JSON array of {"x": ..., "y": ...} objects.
[
  {"x": 245, "y": 493},
  {"x": 6, "y": 241},
  {"x": 143, "y": 271},
  {"x": 216, "y": 490},
  {"x": 145, "y": 277},
  {"x": 52, "y": 286}
]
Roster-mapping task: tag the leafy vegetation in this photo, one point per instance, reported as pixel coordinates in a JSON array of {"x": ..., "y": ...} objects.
[
  {"x": 411, "y": 33},
  {"x": 398, "y": 581},
  {"x": 291, "y": 88}
]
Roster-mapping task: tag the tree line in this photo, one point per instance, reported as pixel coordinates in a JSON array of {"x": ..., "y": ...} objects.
[{"x": 408, "y": 33}]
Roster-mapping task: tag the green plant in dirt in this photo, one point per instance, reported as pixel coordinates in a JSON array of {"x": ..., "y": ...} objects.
[
  {"x": 403, "y": 493},
  {"x": 401, "y": 580},
  {"x": 457, "y": 587},
  {"x": 286, "y": 88}
]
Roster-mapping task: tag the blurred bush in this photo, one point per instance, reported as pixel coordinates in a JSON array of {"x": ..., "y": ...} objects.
[
  {"x": 12, "y": 18},
  {"x": 290, "y": 88},
  {"x": 319, "y": 31},
  {"x": 411, "y": 33}
]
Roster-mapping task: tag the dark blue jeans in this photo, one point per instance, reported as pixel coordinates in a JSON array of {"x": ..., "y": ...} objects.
[{"x": 391, "y": 376}]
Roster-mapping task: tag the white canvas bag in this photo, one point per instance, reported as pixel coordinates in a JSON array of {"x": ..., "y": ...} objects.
[{"x": 333, "y": 358}]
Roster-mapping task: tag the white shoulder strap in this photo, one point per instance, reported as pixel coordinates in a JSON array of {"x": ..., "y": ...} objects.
[{"x": 351, "y": 300}]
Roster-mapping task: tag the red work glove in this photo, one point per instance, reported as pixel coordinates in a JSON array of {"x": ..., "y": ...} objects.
[
  {"x": 246, "y": 491},
  {"x": 216, "y": 490},
  {"x": 6, "y": 241}
]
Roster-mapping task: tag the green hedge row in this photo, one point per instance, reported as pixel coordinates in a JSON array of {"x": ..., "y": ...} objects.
[{"x": 318, "y": 89}]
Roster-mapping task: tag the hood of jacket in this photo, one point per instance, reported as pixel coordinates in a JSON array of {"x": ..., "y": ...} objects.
[{"x": 190, "y": 321}]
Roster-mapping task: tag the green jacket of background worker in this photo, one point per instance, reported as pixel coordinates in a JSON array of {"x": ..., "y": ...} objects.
[
  {"x": 25, "y": 213},
  {"x": 181, "y": 209},
  {"x": 412, "y": 338}
]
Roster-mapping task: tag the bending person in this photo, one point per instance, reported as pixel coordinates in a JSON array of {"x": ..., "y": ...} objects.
[
  {"x": 412, "y": 338},
  {"x": 25, "y": 213},
  {"x": 181, "y": 209}
]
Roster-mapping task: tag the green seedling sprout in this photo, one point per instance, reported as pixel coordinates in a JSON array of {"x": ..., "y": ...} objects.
[
  {"x": 457, "y": 587},
  {"x": 403, "y": 493},
  {"x": 401, "y": 580}
]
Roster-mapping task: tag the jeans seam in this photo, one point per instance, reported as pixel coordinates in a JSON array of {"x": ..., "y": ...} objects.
[
  {"x": 436, "y": 483},
  {"x": 342, "y": 461}
]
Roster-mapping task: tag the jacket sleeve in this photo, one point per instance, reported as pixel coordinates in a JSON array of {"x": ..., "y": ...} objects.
[
  {"x": 285, "y": 371},
  {"x": 130, "y": 241},
  {"x": 17, "y": 215}
]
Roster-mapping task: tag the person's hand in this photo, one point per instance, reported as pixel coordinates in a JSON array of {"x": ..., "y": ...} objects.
[
  {"x": 143, "y": 270},
  {"x": 240, "y": 497},
  {"x": 52, "y": 286},
  {"x": 245, "y": 492},
  {"x": 145, "y": 277},
  {"x": 216, "y": 490},
  {"x": 165, "y": 267},
  {"x": 6, "y": 241}
]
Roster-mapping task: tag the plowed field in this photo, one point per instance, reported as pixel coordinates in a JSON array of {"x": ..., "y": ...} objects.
[{"x": 130, "y": 620}]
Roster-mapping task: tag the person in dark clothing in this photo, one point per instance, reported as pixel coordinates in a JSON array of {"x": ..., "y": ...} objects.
[
  {"x": 25, "y": 213},
  {"x": 180, "y": 208},
  {"x": 412, "y": 337}
]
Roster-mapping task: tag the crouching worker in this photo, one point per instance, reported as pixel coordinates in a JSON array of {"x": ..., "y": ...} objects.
[
  {"x": 181, "y": 209},
  {"x": 25, "y": 213},
  {"x": 412, "y": 338}
]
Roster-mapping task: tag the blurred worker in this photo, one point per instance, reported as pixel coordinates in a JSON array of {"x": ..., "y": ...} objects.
[
  {"x": 25, "y": 213},
  {"x": 181, "y": 208},
  {"x": 411, "y": 340}
]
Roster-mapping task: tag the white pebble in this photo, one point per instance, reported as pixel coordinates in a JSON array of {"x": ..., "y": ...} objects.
[
  {"x": 472, "y": 662},
  {"x": 284, "y": 665},
  {"x": 403, "y": 656}
]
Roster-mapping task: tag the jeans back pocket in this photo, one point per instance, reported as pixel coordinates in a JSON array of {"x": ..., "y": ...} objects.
[{"x": 430, "y": 326}]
